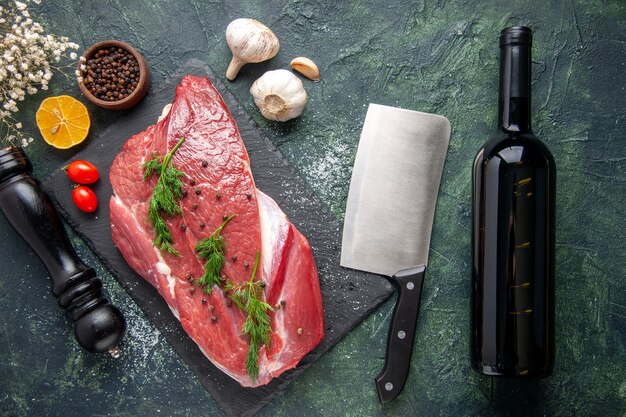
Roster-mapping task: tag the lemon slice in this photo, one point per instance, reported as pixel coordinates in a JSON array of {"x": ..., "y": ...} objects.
[{"x": 63, "y": 121}]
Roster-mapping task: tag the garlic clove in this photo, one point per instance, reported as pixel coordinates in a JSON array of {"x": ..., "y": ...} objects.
[
  {"x": 250, "y": 41},
  {"x": 306, "y": 67},
  {"x": 279, "y": 95}
]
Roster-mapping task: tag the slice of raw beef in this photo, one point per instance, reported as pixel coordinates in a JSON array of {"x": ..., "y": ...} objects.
[{"x": 218, "y": 183}]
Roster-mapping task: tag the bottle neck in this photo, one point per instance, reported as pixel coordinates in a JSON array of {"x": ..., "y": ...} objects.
[{"x": 514, "y": 113}]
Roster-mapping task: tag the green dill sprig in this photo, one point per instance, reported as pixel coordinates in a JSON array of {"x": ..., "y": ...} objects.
[
  {"x": 211, "y": 250},
  {"x": 165, "y": 195},
  {"x": 257, "y": 327}
]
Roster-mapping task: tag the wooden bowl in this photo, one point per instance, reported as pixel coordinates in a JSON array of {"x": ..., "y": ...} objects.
[{"x": 142, "y": 85}]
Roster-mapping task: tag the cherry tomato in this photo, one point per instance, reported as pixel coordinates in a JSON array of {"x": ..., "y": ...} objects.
[
  {"x": 82, "y": 172},
  {"x": 85, "y": 199}
]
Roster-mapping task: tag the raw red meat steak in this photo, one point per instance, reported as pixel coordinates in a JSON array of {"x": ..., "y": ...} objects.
[{"x": 218, "y": 183}]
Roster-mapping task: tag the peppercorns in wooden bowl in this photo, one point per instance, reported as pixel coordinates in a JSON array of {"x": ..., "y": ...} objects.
[{"x": 113, "y": 75}]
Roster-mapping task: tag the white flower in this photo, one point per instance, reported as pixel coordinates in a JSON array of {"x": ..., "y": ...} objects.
[{"x": 27, "y": 59}]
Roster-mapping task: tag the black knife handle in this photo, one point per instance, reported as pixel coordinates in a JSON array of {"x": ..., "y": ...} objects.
[
  {"x": 98, "y": 325},
  {"x": 390, "y": 381}
]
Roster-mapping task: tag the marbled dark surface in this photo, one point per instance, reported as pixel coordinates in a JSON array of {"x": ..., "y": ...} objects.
[{"x": 434, "y": 56}]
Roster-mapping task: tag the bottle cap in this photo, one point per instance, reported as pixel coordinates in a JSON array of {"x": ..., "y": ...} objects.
[{"x": 516, "y": 35}]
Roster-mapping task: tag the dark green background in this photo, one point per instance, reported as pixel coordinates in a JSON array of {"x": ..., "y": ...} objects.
[{"x": 434, "y": 56}]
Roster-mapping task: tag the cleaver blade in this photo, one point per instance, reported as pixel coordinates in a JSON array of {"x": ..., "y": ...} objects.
[{"x": 389, "y": 218}]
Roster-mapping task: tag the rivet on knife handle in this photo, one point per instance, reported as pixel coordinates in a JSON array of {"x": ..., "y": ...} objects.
[
  {"x": 390, "y": 381},
  {"x": 98, "y": 325}
]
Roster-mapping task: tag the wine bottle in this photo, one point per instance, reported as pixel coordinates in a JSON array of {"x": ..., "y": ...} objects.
[{"x": 514, "y": 181}]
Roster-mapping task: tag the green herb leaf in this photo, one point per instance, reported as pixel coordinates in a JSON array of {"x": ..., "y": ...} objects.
[
  {"x": 165, "y": 195},
  {"x": 211, "y": 250},
  {"x": 257, "y": 326},
  {"x": 152, "y": 166}
]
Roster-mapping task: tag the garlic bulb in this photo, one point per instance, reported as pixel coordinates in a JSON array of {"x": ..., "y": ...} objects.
[
  {"x": 279, "y": 94},
  {"x": 250, "y": 41}
]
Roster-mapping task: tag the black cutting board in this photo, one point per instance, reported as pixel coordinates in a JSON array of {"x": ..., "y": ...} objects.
[{"x": 349, "y": 296}]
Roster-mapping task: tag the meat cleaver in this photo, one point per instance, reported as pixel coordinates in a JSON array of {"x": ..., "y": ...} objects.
[{"x": 389, "y": 218}]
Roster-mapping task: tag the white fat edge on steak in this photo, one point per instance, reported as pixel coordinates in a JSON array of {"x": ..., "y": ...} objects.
[
  {"x": 272, "y": 219},
  {"x": 160, "y": 267},
  {"x": 274, "y": 225},
  {"x": 164, "y": 269},
  {"x": 164, "y": 112}
]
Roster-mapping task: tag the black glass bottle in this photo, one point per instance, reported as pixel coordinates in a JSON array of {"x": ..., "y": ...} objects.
[{"x": 513, "y": 231}]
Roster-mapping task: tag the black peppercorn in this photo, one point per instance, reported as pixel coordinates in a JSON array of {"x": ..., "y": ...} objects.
[{"x": 106, "y": 72}]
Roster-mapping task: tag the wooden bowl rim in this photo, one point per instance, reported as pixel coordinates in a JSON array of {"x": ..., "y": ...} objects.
[{"x": 144, "y": 74}]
